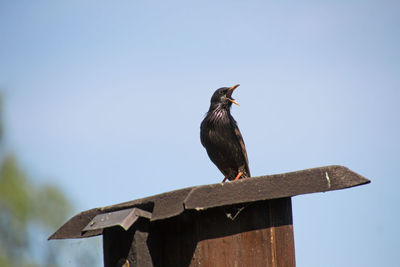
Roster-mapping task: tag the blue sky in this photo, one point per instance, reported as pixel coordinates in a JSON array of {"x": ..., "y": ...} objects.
[{"x": 105, "y": 100}]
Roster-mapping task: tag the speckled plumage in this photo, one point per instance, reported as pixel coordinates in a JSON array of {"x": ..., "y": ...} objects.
[{"x": 220, "y": 136}]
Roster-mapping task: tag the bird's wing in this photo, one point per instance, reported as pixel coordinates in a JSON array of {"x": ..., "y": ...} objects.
[{"x": 243, "y": 147}]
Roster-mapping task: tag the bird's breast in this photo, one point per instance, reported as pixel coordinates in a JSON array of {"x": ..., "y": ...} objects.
[{"x": 219, "y": 117}]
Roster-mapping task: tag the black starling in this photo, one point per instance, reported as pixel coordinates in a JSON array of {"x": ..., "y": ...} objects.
[{"x": 220, "y": 136}]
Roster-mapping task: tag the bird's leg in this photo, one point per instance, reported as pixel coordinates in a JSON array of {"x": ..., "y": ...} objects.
[{"x": 238, "y": 176}]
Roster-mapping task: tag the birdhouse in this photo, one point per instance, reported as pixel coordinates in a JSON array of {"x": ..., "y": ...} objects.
[{"x": 241, "y": 223}]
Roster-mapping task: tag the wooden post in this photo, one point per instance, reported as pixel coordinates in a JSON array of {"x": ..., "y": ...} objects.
[{"x": 250, "y": 234}]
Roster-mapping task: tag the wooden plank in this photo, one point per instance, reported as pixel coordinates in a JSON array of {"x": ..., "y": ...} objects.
[
  {"x": 116, "y": 245},
  {"x": 262, "y": 235}
]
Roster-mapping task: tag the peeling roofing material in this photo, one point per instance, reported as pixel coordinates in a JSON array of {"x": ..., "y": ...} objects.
[{"x": 174, "y": 203}]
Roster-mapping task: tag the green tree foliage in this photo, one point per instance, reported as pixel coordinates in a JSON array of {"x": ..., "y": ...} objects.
[
  {"x": 25, "y": 206},
  {"x": 29, "y": 212}
]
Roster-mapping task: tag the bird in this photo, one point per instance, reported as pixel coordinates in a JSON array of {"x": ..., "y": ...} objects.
[{"x": 220, "y": 136}]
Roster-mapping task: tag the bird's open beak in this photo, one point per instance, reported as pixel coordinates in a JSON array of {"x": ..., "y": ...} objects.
[{"x": 229, "y": 94}]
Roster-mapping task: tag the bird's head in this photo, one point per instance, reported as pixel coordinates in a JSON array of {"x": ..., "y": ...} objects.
[{"x": 222, "y": 97}]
